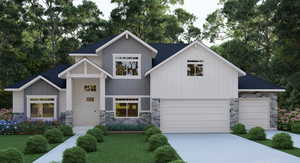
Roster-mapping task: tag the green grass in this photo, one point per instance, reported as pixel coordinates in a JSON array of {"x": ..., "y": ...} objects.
[
  {"x": 19, "y": 141},
  {"x": 118, "y": 148},
  {"x": 295, "y": 151}
]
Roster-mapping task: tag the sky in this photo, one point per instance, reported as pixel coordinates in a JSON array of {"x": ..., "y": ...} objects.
[{"x": 200, "y": 8}]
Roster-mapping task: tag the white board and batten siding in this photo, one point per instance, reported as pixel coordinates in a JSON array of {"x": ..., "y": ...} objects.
[
  {"x": 219, "y": 80},
  {"x": 254, "y": 112},
  {"x": 194, "y": 116}
]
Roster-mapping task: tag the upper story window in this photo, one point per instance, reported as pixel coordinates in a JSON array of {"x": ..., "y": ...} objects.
[
  {"x": 195, "y": 68},
  {"x": 127, "y": 66}
]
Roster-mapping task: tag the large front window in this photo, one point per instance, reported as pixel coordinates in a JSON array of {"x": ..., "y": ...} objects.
[
  {"x": 127, "y": 107},
  {"x": 41, "y": 107},
  {"x": 127, "y": 66}
]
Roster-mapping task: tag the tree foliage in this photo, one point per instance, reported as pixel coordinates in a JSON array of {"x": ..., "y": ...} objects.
[{"x": 261, "y": 37}]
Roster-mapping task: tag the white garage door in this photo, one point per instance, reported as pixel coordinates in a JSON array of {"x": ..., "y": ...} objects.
[
  {"x": 194, "y": 116},
  {"x": 254, "y": 112}
]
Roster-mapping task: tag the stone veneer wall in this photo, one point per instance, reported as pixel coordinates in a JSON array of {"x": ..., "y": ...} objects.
[
  {"x": 273, "y": 104},
  {"x": 234, "y": 111},
  {"x": 155, "y": 117},
  {"x": 69, "y": 118}
]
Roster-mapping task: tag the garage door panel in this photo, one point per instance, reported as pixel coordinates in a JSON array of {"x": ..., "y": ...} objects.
[
  {"x": 254, "y": 112},
  {"x": 193, "y": 116}
]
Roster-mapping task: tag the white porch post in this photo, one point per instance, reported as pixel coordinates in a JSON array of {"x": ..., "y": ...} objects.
[
  {"x": 102, "y": 91},
  {"x": 69, "y": 93}
]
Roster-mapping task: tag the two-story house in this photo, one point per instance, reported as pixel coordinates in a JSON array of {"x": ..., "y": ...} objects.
[{"x": 124, "y": 80}]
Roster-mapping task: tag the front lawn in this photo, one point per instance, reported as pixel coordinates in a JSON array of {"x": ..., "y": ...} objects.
[
  {"x": 118, "y": 148},
  {"x": 19, "y": 141},
  {"x": 295, "y": 151}
]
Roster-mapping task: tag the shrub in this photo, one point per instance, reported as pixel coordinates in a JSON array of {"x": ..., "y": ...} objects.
[
  {"x": 149, "y": 126},
  {"x": 97, "y": 133},
  {"x": 103, "y": 128},
  {"x": 165, "y": 154},
  {"x": 87, "y": 142},
  {"x": 11, "y": 155},
  {"x": 74, "y": 155},
  {"x": 36, "y": 126},
  {"x": 54, "y": 136},
  {"x": 8, "y": 127},
  {"x": 257, "y": 133},
  {"x": 66, "y": 130},
  {"x": 151, "y": 131},
  {"x": 177, "y": 161},
  {"x": 36, "y": 144},
  {"x": 295, "y": 128},
  {"x": 125, "y": 127},
  {"x": 239, "y": 129},
  {"x": 282, "y": 141},
  {"x": 156, "y": 141}
]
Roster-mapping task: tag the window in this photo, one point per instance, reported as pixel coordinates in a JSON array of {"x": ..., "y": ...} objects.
[
  {"x": 90, "y": 99},
  {"x": 126, "y": 107},
  {"x": 127, "y": 66},
  {"x": 90, "y": 88},
  {"x": 41, "y": 107},
  {"x": 194, "y": 68}
]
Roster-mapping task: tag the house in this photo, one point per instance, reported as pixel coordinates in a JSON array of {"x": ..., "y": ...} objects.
[{"x": 124, "y": 80}]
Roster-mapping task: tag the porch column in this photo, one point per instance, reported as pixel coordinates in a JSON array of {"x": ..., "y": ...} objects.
[
  {"x": 102, "y": 91},
  {"x": 69, "y": 94}
]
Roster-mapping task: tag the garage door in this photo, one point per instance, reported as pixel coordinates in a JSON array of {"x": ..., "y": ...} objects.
[
  {"x": 194, "y": 116},
  {"x": 254, "y": 112}
]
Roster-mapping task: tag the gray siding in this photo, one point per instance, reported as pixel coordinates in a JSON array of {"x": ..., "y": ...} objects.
[
  {"x": 41, "y": 87},
  {"x": 127, "y": 86},
  {"x": 109, "y": 104}
]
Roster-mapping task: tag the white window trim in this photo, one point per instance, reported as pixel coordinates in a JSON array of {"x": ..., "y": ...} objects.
[
  {"x": 115, "y": 111},
  {"x": 41, "y": 96},
  {"x": 186, "y": 66},
  {"x": 126, "y": 55}
]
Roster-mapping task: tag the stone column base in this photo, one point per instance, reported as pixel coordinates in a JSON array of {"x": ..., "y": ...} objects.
[{"x": 69, "y": 118}]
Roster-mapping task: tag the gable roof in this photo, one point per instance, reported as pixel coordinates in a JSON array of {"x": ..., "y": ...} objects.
[
  {"x": 82, "y": 61},
  {"x": 92, "y": 49},
  {"x": 187, "y": 47},
  {"x": 250, "y": 83},
  {"x": 165, "y": 51},
  {"x": 50, "y": 76}
]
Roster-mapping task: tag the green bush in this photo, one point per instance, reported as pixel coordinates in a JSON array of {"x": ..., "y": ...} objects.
[
  {"x": 239, "y": 129},
  {"x": 66, "y": 130},
  {"x": 165, "y": 154},
  {"x": 151, "y": 131},
  {"x": 177, "y": 161},
  {"x": 257, "y": 133},
  {"x": 295, "y": 128},
  {"x": 103, "y": 128},
  {"x": 149, "y": 126},
  {"x": 36, "y": 144},
  {"x": 74, "y": 155},
  {"x": 36, "y": 127},
  {"x": 87, "y": 142},
  {"x": 97, "y": 133},
  {"x": 282, "y": 141},
  {"x": 125, "y": 127},
  {"x": 54, "y": 136},
  {"x": 156, "y": 141},
  {"x": 11, "y": 155}
]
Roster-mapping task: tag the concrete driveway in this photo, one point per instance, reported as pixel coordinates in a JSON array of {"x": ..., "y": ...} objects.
[
  {"x": 295, "y": 137},
  {"x": 225, "y": 148}
]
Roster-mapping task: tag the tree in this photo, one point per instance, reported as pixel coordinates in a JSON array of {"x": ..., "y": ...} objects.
[{"x": 152, "y": 20}]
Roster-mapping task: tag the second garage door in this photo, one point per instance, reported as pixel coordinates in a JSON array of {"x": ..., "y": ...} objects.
[
  {"x": 194, "y": 116},
  {"x": 255, "y": 112}
]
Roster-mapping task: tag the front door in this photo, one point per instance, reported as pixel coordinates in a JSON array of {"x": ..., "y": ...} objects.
[{"x": 86, "y": 102}]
